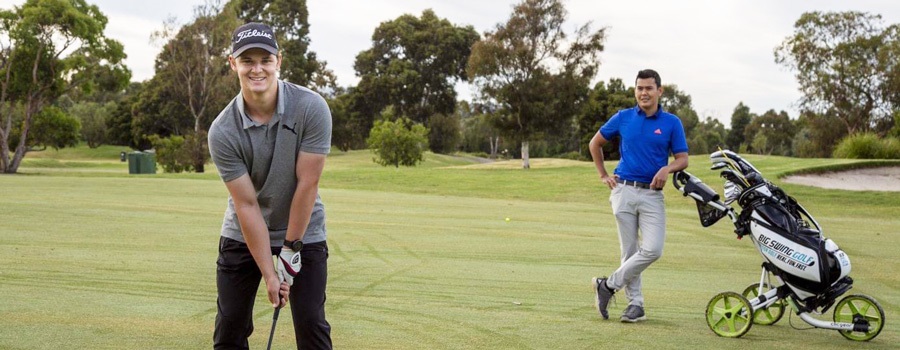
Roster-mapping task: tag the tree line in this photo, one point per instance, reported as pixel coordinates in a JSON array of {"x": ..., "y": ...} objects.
[{"x": 63, "y": 82}]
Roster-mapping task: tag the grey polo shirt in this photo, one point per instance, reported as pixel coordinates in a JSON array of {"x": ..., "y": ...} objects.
[{"x": 268, "y": 153}]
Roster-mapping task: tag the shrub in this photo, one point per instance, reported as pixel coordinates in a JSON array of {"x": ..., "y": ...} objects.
[
  {"x": 397, "y": 143},
  {"x": 890, "y": 148},
  {"x": 51, "y": 127},
  {"x": 895, "y": 131},
  {"x": 170, "y": 154},
  {"x": 867, "y": 146},
  {"x": 181, "y": 153}
]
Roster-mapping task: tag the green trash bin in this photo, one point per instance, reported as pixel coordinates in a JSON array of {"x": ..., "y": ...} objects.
[
  {"x": 141, "y": 163},
  {"x": 148, "y": 163},
  {"x": 134, "y": 162}
]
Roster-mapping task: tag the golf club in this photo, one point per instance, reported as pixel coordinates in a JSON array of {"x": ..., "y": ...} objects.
[{"x": 272, "y": 333}]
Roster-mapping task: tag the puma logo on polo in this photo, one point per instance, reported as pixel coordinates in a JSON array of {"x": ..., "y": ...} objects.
[{"x": 289, "y": 128}]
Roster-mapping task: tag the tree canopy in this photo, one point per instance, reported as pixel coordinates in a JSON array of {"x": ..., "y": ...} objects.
[
  {"x": 680, "y": 103},
  {"x": 52, "y": 47},
  {"x": 604, "y": 101},
  {"x": 847, "y": 67},
  {"x": 739, "y": 120},
  {"x": 770, "y": 133},
  {"x": 533, "y": 71},
  {"x": 413, "y": 65}
]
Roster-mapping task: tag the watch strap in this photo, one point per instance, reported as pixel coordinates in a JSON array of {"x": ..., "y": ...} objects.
[{"x": 294, "y": 245}]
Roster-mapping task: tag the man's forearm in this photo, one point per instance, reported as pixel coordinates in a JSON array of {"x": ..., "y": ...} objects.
[
  {"x": 596, "y": 149},
  {"x": 680, "y": 163},
  {"x": 256, "y": 234},
  {"x": 301, "y": 208},
  {"x": 601, "y": 169}
]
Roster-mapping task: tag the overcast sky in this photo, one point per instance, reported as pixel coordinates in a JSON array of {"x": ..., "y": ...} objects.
[{"x": 719, "y": 52}]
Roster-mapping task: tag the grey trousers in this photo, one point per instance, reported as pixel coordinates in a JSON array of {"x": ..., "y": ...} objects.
[{"x": 637, "y": 209}]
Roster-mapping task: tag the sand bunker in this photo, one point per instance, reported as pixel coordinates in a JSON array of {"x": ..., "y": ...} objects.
[{"x": 868, "y": 179}]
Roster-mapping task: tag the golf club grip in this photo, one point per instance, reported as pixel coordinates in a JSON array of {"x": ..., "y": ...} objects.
[{"x": 272, "y": 332}]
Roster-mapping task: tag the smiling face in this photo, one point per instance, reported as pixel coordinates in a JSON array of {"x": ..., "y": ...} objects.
[
  {"x": 647, "y": 94},
  {"x": 257, "y": 71}
]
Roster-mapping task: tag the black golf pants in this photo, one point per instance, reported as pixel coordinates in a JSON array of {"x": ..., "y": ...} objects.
[{"x": 237, "y": 281}]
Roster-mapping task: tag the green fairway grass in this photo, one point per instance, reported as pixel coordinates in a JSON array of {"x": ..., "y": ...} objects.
[{"x": 420, "y": 258}]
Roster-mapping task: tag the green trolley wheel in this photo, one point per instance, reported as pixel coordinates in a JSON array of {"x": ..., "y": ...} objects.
[
  {"x": 728, "y": 315},
  {"x": 770, "y": 314},
  {"x": 856, "y": 309}
]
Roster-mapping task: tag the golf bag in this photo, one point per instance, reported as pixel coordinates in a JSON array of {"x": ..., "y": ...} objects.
[
  {"x": 809, "y": 271},
  {"x": 785, "y": 234}
]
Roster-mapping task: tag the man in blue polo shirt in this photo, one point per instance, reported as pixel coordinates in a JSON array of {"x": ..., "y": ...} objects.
[{"x": 648, "y": 134}]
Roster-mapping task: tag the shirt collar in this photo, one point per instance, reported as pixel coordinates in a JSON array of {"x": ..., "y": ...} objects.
[
  {"x": 659, "y": 111},
  {"x": 246, "y": 122}
]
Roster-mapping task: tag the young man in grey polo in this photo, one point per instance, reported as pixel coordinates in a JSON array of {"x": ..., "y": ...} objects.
[
  {"x": 269, "y": 146},
  {"x": 648, "y": 135}
]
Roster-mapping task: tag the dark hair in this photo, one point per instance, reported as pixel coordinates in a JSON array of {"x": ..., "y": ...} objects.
[{"x": 649, "y": 73}]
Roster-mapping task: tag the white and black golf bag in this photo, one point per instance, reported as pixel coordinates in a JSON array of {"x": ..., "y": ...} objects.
[{"x": 785, "y": 234}]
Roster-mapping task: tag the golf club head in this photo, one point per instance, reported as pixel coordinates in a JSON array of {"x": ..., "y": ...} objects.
[
  {"x": 731, "y": 191},
  {"x": 718, "y": 165},
  {"x": 734, "y": 160},
  {"x": 735, "y": 178}
]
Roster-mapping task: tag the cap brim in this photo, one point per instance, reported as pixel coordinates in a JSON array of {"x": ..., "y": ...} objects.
[{"x": 266, "y": 47}]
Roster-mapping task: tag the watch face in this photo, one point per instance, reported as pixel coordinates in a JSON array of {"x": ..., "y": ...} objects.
[{"x": 296, "y": 245}]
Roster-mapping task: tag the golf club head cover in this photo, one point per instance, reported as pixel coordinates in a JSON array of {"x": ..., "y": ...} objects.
[{"x": 288, "y": 265}]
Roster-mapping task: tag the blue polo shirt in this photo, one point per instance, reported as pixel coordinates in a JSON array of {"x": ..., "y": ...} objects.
[{"x": 646, "y": 141}]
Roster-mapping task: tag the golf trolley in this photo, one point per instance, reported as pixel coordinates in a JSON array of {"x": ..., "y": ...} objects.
[{"x": 809, "y": 271}]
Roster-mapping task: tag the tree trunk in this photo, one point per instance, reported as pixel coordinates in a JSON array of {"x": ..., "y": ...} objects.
[
  {"x": 197, "y": 152},
  {"x": 198, "y": 155},
  {"x": 20, "y": 152},
  {"x": 33, "y": 106},
  {"x": 494, "y": 143},
  {"x": 525, "y": 162},
  {"x": 4, "y": 148}
]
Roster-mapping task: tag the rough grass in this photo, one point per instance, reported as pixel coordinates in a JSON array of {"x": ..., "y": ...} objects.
[{"x": 421, "y": 258}]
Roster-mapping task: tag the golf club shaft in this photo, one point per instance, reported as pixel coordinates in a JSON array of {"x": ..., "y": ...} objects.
[{"x": 272, "y": 333}]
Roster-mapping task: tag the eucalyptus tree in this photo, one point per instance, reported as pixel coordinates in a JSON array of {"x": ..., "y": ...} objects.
[
  {"x": 739, "y": 120},
  {"x": 771, "y": 133},
  {"x": 48, "y": 48},
  {"x": 413, "y": 66},
  {"x": 847, "y": 66},
  {"x": 193, "y": 68},
  {"x": 532, "y": 69}
]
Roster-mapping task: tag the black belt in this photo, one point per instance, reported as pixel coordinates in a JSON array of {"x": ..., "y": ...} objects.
[{"x": 633, "y": 183}]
